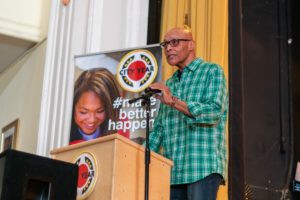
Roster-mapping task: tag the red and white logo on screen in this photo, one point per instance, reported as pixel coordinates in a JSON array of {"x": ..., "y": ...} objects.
[
  {"x": 136, "y": 70},
  {"x": 87, "y": 174}
]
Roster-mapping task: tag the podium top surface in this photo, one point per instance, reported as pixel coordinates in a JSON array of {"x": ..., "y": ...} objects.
[{"x": 112, "y": 137}]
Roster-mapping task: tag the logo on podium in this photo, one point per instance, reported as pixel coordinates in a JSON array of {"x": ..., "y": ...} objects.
[{"x": 87, "y": 174}]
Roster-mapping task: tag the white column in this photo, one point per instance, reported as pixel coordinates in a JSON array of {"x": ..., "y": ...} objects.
[{"x": 54, "y": 115}]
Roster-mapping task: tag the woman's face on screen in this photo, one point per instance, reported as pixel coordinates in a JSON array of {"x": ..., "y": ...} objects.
[{"x": 89, "y": 112}]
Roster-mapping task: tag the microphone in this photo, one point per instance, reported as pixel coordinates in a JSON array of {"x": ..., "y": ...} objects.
[
  {"x": 152, "y": 91},
  {"x": 147, "y": 94}
]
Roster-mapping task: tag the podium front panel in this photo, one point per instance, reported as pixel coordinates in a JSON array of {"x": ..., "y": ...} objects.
[{"x": 121, "y": 168}]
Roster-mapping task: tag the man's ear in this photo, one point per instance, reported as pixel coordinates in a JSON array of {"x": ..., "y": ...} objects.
[{"x": 191, "y": 45}]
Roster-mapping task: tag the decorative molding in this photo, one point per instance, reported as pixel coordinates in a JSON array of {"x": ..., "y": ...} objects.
[{"x": 19, "y": 30}]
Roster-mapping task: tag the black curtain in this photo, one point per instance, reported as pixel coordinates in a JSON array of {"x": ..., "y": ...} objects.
[
  {"x": 261, "y": 102},
  {"x": 154, "y": 20}
]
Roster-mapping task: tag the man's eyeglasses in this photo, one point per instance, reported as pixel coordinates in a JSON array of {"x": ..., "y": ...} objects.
[{"x": 173, "y": 42}]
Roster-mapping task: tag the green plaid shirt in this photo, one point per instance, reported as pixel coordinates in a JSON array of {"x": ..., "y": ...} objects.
[{"x": 196, "y": 145}]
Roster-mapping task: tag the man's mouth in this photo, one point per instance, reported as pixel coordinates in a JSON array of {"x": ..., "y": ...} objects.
[{"x": 170, "y": 56}]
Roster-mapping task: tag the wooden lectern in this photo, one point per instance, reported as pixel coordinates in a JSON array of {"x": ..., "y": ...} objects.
[{"x": 119, "y": 169}]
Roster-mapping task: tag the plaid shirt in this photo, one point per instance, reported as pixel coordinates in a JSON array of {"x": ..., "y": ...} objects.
[{"x": 196, "y": 144}]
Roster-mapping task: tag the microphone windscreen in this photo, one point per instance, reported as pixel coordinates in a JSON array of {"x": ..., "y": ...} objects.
[{"x": 148, "y": 89}]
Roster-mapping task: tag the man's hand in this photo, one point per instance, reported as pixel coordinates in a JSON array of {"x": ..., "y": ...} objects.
[{"x": 165, "y": 96}]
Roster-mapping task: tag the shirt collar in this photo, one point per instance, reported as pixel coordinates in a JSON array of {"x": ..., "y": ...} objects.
[
  {"x": 94, "y": 135},
  {"x": 192, "y": 66}
]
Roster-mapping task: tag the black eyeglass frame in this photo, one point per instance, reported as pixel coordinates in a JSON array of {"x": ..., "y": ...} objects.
[{"x": 173, "y": 42}]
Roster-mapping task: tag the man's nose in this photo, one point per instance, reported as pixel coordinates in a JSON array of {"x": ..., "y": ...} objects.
[{"x": 168, "y": 47}]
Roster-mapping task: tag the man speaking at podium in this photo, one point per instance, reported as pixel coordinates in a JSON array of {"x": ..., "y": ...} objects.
[{"x": 190, "y": 126}]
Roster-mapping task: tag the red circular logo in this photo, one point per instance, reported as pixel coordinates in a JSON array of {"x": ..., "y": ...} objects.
[
  {"x": 87, "y": 174},
  {"x": 83, "y": 175},
  {"x": 137, "y": 70}
]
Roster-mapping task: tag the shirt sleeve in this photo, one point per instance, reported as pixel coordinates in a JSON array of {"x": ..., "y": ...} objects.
[{"x": 213, "y": 103}]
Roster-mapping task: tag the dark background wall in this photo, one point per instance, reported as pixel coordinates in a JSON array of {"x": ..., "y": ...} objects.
[
  {"x": 263, "y": 72},
  {"x": 154, "y": 19},
  {"x": 296, "y": 76}
]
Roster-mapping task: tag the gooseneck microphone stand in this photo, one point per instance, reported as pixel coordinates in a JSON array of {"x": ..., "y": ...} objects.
[{"x": 146, "y": 102}]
